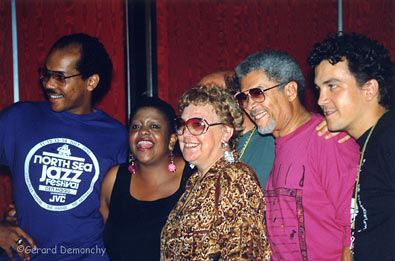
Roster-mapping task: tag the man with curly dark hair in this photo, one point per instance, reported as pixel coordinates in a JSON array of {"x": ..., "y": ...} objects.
[{"x": 355, "y": 78}]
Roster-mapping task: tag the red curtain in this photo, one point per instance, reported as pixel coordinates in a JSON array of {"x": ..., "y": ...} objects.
[
  {"x": 375, "y": 19},
  {"x": 198, "y": 37},
  {"x": 42, "y": 22},
  {"x": 6, "y": 77},
  {"x": 5, "y": 195}
]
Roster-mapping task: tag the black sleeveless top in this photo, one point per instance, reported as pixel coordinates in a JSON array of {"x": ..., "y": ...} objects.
[{"x": 133, "y": 227}]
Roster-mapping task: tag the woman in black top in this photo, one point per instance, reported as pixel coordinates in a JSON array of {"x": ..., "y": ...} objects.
[{"x": 135, "y": 202}]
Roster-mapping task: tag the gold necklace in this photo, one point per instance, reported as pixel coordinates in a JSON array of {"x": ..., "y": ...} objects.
[
  {"x": 359, "y": 171},
  {"x": 247, "y": 141},
  {"x": 356, "y": 185}
]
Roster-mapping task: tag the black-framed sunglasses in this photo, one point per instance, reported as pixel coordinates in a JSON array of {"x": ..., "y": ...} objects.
[
  {"x": 59, "y": 77},
  {"x": 256, "y": 94},
  {"x": 196, "y": 126}
]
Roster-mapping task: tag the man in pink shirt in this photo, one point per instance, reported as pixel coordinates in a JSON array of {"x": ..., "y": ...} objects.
[{"x": 309, "y": 190}]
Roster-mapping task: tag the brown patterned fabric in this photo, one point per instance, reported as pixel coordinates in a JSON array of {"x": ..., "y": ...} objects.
[{"x": 219, "y": 217}]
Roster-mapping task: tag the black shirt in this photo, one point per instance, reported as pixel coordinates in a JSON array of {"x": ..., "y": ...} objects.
[
  {"x": 133, "y": 228},
  {"x": 375, "y": 221}
]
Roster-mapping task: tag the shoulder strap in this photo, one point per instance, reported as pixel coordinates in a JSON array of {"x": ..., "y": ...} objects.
[{"x": 122, "y": 181}]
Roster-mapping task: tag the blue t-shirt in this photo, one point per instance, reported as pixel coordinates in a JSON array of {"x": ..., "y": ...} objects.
[
  {"x": 259, "y": 153},
  {"x": 58, "y": 161}
]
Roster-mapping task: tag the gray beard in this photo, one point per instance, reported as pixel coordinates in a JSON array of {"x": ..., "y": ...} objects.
[{"x": 269, "y": 127}]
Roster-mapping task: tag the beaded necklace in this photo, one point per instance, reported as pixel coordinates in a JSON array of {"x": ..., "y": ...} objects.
[{"x": 247, "y": 141}]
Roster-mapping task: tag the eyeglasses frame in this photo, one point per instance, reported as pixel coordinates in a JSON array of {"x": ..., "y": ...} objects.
[
  {"x": 247, "y": 92},
  {"x": 207, "y": 126},
  {"x": 63, "y": 78}
]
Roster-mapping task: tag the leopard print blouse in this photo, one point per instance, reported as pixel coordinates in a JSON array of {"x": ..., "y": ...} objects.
[{"x": 219, "y": 217}]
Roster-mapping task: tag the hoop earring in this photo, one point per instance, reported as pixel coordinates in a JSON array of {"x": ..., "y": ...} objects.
[
  {"x": 172, "y": 167},
  {"x": 132, "y": 166},
  {"x": 227, "y": 154}
]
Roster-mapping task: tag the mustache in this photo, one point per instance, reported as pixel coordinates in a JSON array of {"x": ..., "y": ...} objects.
[
  {"x": 50, "y": 91},
  {"x": 326, "y": 108},
  {"x": 253, "y": 112}
]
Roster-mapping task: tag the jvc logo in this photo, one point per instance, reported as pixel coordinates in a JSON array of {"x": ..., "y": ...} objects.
[{"x": 58, "y": 198}]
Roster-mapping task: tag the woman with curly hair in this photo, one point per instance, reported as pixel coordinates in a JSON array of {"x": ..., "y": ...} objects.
[{"x": 221, "y": 214}]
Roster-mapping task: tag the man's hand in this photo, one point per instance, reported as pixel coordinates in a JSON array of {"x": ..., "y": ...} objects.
[
  {"x": 322, "y": 128},
  {"x": 346, "y": 255},
  {"x": 13, "y": 237}
]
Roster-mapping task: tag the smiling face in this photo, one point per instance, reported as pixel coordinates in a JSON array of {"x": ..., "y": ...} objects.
[
  {"x": 205, "y": 149},
  {"x": 75, "y": 95},
  {"x": 272, "y": 114},
  {"x": 340, "y": 97},
  {"x": 149, "y": 136}
]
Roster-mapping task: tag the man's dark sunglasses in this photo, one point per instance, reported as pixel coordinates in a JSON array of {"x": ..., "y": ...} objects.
[{"x": 256, "y": 94}]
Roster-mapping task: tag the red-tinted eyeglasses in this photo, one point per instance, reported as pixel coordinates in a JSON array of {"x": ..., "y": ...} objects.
[
  {"x": 196, "y": 126},
  {"x": 256, "y": 94},
  {"x": 59, "y": 77}
]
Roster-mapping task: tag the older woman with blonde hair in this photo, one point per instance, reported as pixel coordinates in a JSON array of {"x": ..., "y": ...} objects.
[{"x": 220, "y": 216}]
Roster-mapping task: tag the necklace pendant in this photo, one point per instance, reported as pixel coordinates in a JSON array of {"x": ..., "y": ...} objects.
[{"x": 352, "y": 244}]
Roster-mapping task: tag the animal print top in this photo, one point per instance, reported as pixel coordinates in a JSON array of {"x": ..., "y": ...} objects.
[{"x": 220, "y": 216}]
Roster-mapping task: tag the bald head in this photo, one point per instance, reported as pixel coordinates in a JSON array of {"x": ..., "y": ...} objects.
[
  {"x": 228, "y": 81},
  {"x": 216, "y": 78}
]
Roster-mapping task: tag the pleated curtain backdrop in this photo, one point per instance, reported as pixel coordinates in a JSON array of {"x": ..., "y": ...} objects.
[
  {"x": 198, "y": 37},
  {"x": 6, "y": 81}
]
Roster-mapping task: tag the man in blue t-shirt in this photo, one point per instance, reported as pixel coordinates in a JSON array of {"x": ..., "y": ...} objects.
[{"x": 58, "y": 152}]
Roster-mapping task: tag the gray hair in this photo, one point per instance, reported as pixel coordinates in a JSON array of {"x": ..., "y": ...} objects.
[{"x": 278, "y": 66}]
